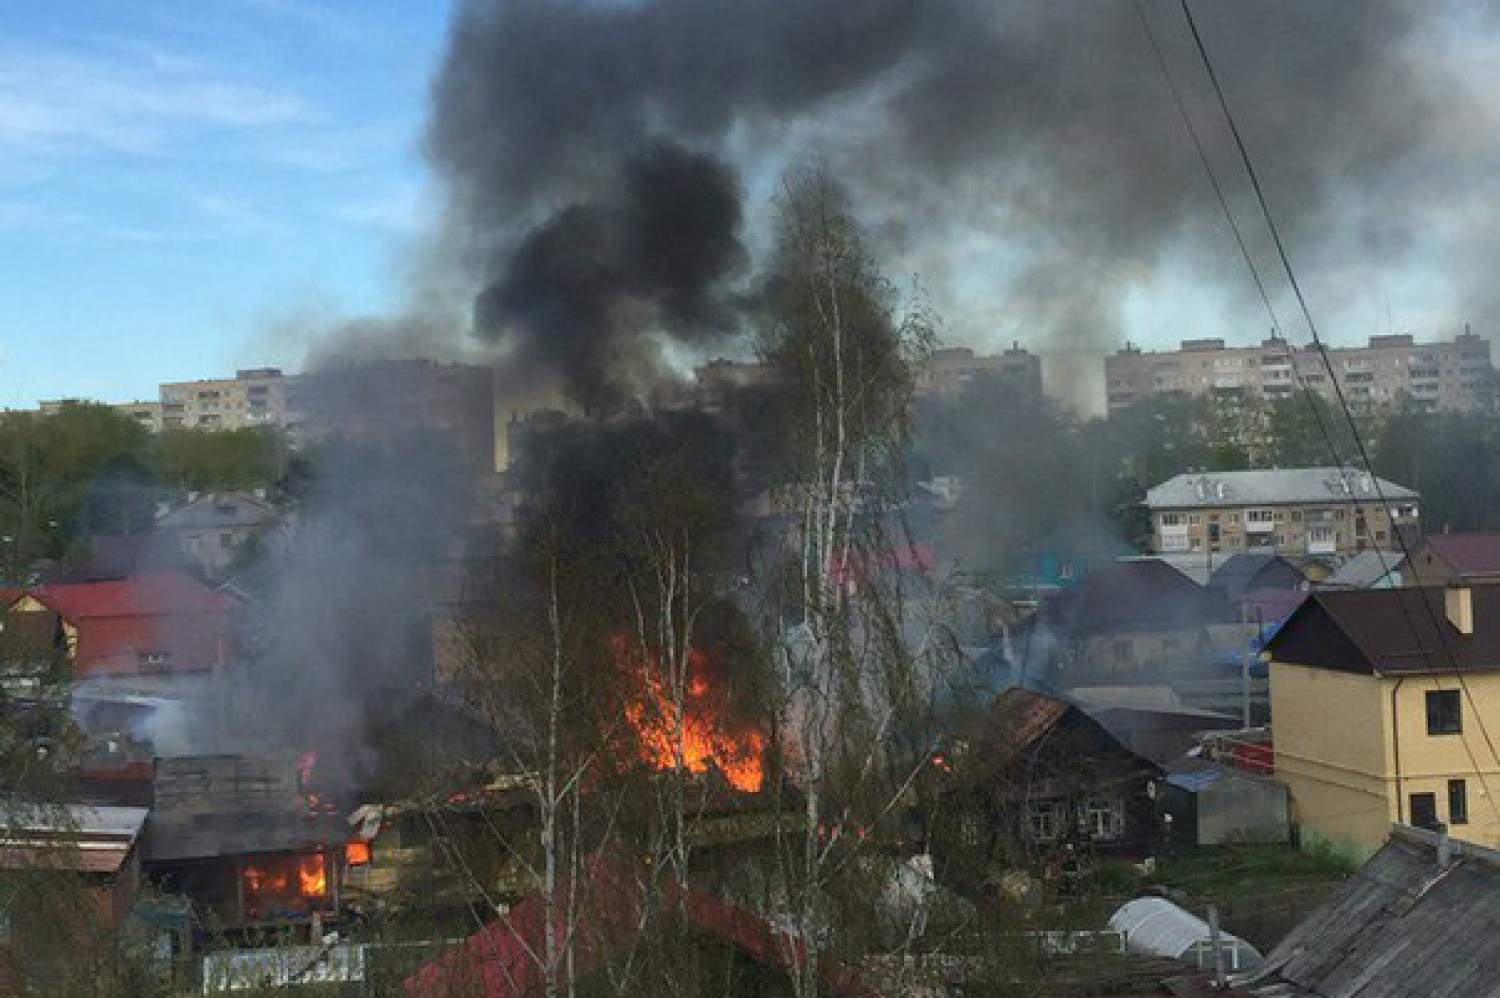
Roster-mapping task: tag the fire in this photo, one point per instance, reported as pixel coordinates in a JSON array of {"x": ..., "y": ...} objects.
[
  {"x": 285, "y": 886},
  {"x": 312, "y": 879},
  {"x": 258, "y": 881},
  {"x": 704, "y": 742},
  {"x": 357, "y": 852}
]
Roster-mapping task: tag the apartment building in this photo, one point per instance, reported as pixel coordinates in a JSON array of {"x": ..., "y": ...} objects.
[
  {"x": 950, "y": 370},
  {"x": 1286, "y": 511},
  {"x": 146, "y": 412},
  {"x": 947, "y": 371},
  {"x": 260, "y": 396},
  {"x": 1383, "y": 706},
  {"x": 1448, "y": 376}
]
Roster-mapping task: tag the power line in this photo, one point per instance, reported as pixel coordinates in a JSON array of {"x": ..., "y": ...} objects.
[{"x": 1359, "y": 444}]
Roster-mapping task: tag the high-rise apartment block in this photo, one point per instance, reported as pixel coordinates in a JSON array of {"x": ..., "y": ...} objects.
[
  {"x": 950, "y": 370},
  {"x": 262, "y": 396},
  {"x": 1449, "y": 376}
]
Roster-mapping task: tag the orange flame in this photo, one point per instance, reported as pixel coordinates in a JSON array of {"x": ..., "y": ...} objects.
[
  {"x": 696, "y": 741},
  {"x": 258, "y": 880},
  {"x": 357, "y": 852},
  {"x": 312, "y": 879}
]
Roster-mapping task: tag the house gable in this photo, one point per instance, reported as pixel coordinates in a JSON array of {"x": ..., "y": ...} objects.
[{"x": 1311, "y": 637}]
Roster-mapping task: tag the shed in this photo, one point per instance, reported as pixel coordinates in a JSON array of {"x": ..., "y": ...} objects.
[
  {"x": 1212, "y": 805},
  {"x": 1157, "y": 927}
]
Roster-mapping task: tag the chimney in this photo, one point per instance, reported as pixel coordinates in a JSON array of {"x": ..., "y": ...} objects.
[
  {"x": 1444, "y": 848},
  {"x": 1459, "y": 603}
]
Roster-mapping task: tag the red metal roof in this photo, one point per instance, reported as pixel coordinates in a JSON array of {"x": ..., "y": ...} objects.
[
  {"x": 154, "y": 622},
  {"x": 148, "y": 594},
  {"x": 501, "y": 960}
]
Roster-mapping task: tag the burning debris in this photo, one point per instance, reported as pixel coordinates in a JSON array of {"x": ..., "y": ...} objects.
[
  {"x": 682, "y": 729},
  {"x": 247, "y": 838}
]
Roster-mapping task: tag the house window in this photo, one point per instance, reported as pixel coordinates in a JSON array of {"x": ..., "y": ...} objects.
[
  {"x": 1234, "y": 518},
  {"x": 1193, "y": 519},
  {"x": 1171, "y": 519},
  {"x": 1044, "y": 820},
  {"x": 226, "y": 541},
  {"x": 1121, "y": 651},
  {"x": 1444, "y": 713},
  {"x": 1458, "y": 802},
  {"x": 153, "y": 659},
  {"x": 971, "y": 831},
  {"x": 1424, "y": 811},
  {"x": 1103, "y": 818}
]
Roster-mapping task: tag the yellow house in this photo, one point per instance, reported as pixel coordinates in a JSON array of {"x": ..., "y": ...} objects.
[{"x": 1385, "y": 707}]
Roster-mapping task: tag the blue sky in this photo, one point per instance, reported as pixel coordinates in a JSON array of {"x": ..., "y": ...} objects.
[
  {"x": 178, "y": 175},
  {"x": 187, "y": 184}
]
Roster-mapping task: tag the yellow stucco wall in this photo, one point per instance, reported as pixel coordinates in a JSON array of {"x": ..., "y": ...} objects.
[
  {"x": 1428, "y": 762},
  {"x": 1352, "y": 748},
  {"x": 1333, "y": 752}
]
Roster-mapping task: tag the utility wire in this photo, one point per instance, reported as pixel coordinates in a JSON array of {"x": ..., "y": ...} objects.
[
  {"x": 1343, "y": 402},
  {"x": 1277, "y": 329}
]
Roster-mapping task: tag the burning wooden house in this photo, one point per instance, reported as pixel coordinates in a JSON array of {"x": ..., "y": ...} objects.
[{"x": 247, "y": 838}]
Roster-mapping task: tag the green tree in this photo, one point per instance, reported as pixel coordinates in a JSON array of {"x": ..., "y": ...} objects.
[
  {"x": 208, "y": 460},
  {"x": 64, "y": 474}
]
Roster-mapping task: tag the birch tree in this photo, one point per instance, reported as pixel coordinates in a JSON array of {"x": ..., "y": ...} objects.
[{"x": 851, "y": 669}]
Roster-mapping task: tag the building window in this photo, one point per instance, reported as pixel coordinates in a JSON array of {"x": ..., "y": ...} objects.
[
  {"x": 1444, "y": 713},
  {"x": 1044, "y": 820},
  {"x": 1458, "y": 802},
  {"x": 1121, "y": 652},
  {"x": 1171, "y": 519},
  {"x": 153, "y": 659},
  {"x": 226, "y": 541},
  {"x": 1424, "y": 811},
  {"x": 1103, "y": 819}
]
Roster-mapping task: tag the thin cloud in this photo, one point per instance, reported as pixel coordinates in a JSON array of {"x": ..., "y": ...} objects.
[{"x": 56, "y": 103}]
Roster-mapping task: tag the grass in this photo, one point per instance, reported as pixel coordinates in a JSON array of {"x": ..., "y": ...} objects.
[{"x": 1235, "y": 870}]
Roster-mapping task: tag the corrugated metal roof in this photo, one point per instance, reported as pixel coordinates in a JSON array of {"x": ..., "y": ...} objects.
[
  {"x": 73, "y": 837},
  {"x": 1270, "y": 487},
  {"x": 1400, "y": 927}
]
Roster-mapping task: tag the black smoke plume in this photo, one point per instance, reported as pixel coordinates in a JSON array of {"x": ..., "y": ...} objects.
[{"x": 1026, "y": 158}]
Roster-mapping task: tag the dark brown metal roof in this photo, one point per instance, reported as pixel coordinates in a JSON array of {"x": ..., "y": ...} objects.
[{"x": 1391, "y": 632}]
